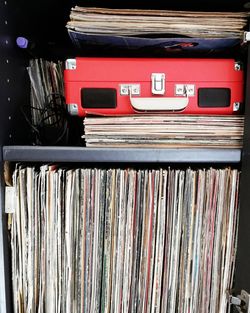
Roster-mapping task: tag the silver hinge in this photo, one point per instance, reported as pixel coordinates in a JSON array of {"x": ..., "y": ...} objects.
[
  {"x": 185, "y": 90},
  {"x": 158, "y": 83},
  {"x": 240, "y": 302},
  {"x": 133, "y": 89}
]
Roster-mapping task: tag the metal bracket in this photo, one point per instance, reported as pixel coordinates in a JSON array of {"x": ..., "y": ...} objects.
[
  {"x": 70, "y": 64},
  {"x": 236, "y": 106},
  {"x": 241, "y": 302},
  {"x": 72, "y": 109},
  {"x": 238, "y": 66},
  {"x": 246, "y": 37}
]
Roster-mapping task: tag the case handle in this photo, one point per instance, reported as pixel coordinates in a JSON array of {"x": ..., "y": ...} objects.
[{"x": 159, "y": 103}]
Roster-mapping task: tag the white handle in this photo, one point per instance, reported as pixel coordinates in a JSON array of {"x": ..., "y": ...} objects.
[{"x": 159, "y": 103}]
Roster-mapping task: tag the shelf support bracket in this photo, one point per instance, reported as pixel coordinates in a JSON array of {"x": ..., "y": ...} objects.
[
  {"x": 246, "y": 37},
  {"x": 240, "y": 302}
]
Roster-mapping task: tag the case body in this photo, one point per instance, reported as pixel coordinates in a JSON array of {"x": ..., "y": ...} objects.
[{"x": 119, "y": 86}]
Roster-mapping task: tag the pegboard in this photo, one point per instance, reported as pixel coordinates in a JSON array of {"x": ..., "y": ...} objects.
[{"x": 14, "y": 84}]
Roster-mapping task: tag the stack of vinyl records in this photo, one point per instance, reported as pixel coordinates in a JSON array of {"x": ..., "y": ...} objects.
[
  {"x": 144, "y": 22},
  {"x": 166, "y": 130},
  {"x": 123, "y": 240},
  {"x": 163, "y": 29}
]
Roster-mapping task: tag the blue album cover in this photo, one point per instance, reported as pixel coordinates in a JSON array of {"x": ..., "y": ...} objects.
[{"x": 166, "y": 44}]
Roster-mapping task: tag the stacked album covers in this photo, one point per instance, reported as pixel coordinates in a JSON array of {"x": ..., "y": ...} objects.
[
  {"x": 123, "y": 240},
  {"x": 158, "y": 30},
  {"x": 164, "y": 131}
]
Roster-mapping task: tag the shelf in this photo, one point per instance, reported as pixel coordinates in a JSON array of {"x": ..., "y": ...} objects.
[{"x": 118, "y": 155}]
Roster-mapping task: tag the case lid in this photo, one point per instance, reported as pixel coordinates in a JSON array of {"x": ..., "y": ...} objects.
[{"x": 141, "y": 69}]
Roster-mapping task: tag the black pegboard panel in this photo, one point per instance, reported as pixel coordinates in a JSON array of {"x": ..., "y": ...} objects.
[
  {"x": 12, "y": 130},
  {"x": 14, "y": 88},
  {"x": 14, "y": 83},
  {"x": 44, "y": 23}
]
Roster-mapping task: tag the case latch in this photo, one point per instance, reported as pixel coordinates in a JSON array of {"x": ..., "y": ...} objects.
[
  {"x": 158, "y": 83},
  {"x": 241, "y": 302}
]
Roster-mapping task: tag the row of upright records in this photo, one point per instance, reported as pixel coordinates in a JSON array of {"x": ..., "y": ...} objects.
[{"x": 123, "y": 240}]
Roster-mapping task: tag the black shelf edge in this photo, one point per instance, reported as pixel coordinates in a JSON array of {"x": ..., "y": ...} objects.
[{"x": 118, "y": 155}]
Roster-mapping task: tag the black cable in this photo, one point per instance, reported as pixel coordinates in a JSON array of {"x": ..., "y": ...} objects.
[{"x": 54, "y": 114}]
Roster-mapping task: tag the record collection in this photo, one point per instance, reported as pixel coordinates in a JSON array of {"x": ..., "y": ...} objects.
[
  {"x": 164, "y": 131},
  {"x": 156, "y": 31},
  {"x": 142, "y": 22},
  {"x": 123, "y": 240}
]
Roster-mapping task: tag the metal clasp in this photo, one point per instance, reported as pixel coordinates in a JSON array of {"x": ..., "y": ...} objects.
[{"x": 158, "y": 83}]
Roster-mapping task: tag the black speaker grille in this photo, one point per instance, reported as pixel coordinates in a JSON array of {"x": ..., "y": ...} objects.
[
  {"x": 101, "y": 98},
  {"x": 214, "y": 97}
]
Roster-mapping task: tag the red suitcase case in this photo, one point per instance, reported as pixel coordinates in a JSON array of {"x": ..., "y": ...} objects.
[{"x": 117, "y": 86}]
